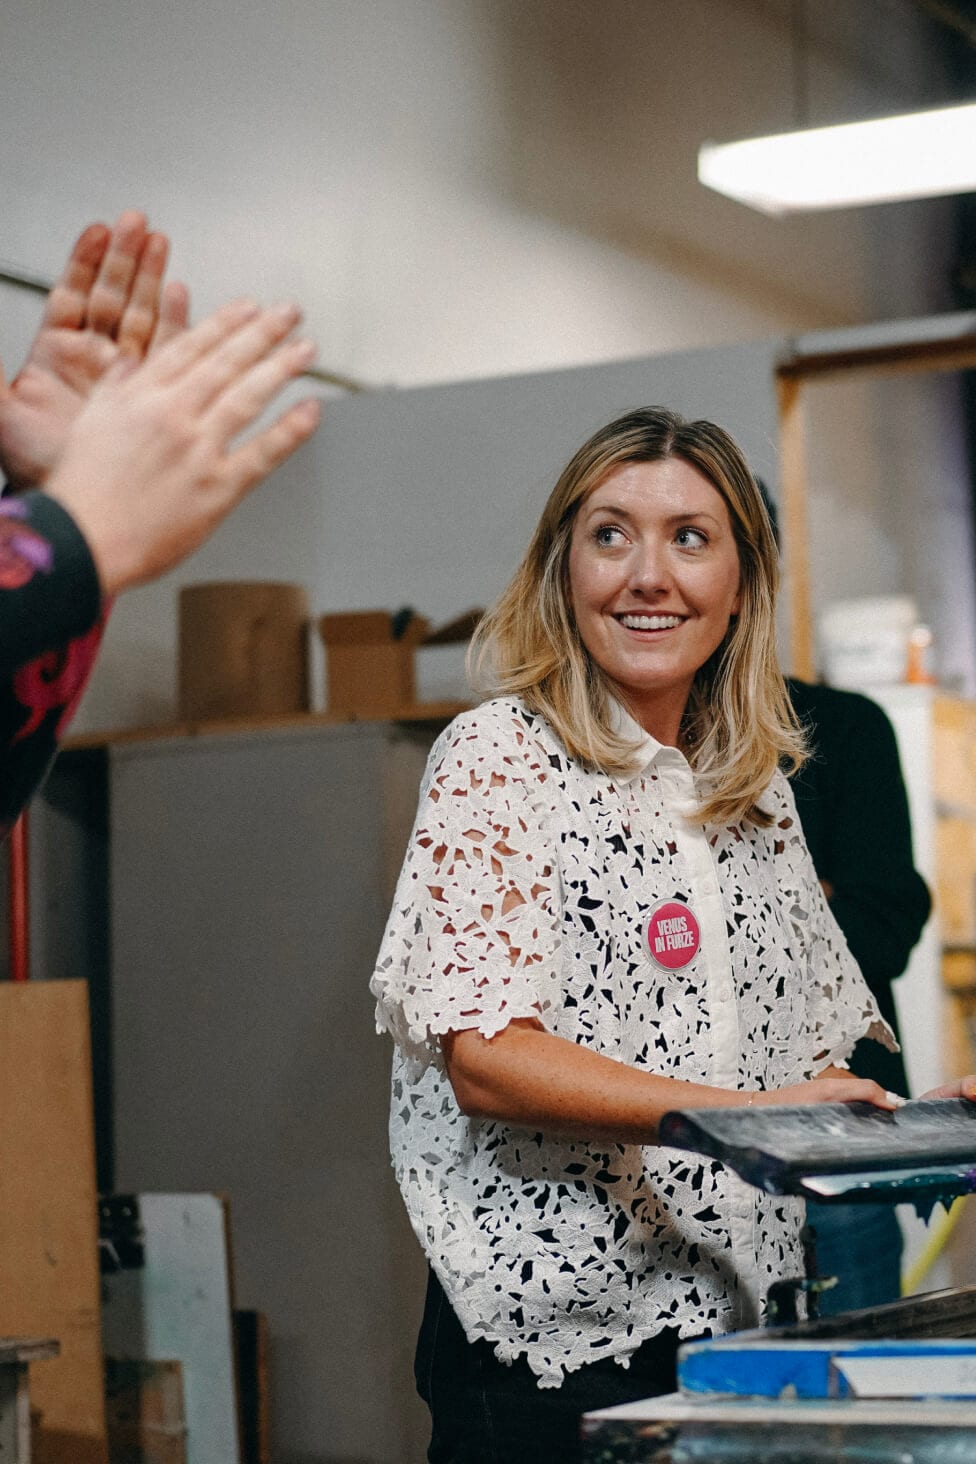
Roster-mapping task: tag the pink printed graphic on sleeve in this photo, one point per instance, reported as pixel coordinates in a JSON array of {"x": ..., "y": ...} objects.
[
  {"x": 23, "y": 551},
  {"x": 55, "y": 681}
]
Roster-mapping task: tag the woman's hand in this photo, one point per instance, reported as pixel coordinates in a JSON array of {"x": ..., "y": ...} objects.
[
  {"x": 155, "y": 460},
  {"x": 835, "y": 1085},
  {"x": 109, "y": 302},
  {"x": 960, "y": 1088}
]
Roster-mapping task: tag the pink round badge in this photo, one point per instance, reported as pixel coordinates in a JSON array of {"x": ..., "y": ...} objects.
[{"x": 673, "y": 935}]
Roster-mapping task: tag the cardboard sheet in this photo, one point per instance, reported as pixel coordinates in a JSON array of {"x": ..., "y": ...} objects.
[{"x": 48, "y": 1219}]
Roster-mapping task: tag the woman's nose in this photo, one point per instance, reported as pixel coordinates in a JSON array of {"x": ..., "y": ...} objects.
[{"x": 650, "y": 571}]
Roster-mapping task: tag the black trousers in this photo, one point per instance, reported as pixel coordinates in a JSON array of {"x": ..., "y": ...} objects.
[{"x": 485, "y": 1412}]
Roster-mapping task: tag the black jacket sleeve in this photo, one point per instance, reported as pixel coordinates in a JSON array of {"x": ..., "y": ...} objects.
[
  {"x": 49, "y": 591},
  {"x": 50, "y": 606}
]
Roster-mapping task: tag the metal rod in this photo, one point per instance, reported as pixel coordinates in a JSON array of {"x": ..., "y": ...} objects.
[
  {"x": 333, "y": 378},
  {"x": 11, "y": 274}
]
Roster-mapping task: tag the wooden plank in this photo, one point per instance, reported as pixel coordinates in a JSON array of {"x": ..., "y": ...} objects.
[
  {"x": 959, "y": 976},
  {"x": 954, "y": 788},
  {"x": 27, "y": 1349},
  {"x": 49, "y": 1278},
  {"x": 954, "y": 756},
  {"x": 178, "y": 1306},
  {"x": 891, "y": 358},
  {"x": 796, "y": 557},
  {"x": 419, "y": 713}
]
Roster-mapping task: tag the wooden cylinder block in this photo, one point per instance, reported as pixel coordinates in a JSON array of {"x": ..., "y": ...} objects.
[{"x": 243, "y": 650}]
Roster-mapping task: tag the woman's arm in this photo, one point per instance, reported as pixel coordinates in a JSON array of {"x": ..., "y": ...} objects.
[{"x": 527, "y": 1076}]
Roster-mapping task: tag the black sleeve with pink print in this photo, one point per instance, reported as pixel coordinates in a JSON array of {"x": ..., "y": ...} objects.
[{"x": 50, "y": 627}]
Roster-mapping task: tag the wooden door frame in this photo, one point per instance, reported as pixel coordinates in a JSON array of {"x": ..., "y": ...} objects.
[{"x": 802, "y": 368}]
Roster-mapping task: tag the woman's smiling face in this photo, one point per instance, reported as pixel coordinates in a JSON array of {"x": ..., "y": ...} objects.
[{"x": 654, "y": 579}]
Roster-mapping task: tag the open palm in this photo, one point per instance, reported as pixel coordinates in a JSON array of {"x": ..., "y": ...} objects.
[{"x": 109, "y": 301}]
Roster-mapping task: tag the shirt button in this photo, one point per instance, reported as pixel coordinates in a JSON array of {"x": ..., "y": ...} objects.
[{"x": 724, "y": 991}]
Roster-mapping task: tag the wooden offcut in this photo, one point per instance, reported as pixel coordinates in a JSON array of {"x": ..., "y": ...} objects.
[
  {"x": 146, "y": 1419},
  {"x": 49, "y": 1280},
  {"x": 243, "y": 650}
]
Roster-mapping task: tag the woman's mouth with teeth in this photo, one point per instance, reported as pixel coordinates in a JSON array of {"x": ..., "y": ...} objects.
[{"x": 650, "y": 622}]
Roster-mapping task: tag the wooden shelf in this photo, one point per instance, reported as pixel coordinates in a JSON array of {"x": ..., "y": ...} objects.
[{"x": 420, "y": 712}]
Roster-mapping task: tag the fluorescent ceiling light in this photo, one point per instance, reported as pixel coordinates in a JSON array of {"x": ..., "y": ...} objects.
[{"x": 920, "y": 155}]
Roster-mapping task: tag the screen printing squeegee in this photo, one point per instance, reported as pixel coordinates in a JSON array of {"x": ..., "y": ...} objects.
[{"x": 839, "y": 1151}]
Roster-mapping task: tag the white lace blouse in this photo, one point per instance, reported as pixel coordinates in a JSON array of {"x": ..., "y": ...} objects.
[{"x": 562, "y": 1250}]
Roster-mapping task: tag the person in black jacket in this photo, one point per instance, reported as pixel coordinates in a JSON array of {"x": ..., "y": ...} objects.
[
  {"x": 119, "y": 466},
  {"x": 850, "y": 796},
  {"x": 852, "y": 803}
]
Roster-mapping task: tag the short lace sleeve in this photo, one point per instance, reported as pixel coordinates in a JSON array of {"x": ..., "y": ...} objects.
[
  {"x": 840, "y": 1008},
  {"x": 473, "y": 937}
]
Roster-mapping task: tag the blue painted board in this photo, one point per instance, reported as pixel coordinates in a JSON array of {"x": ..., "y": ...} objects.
[{"x": 829, "y": 1369}]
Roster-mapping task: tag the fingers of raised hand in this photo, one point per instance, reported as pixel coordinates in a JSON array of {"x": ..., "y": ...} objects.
[
  {"x": 174, "y": 313},
  {"x": 121, "y": 271},
  {"x": 175, "y": 360},
  {"x": 68, "y": 301},
  {"x": 227, "y": 365},
  {"x": 141, "y": 306},
  {"x": 254, "y": 387},
  {"x": 267, "y": 450}
]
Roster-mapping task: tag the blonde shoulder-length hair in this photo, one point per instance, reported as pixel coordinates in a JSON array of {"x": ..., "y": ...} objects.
[{"x": 738, "y": 725}]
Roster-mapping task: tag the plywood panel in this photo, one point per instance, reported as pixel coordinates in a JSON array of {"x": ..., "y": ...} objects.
[
  {"x": 954, "y": 786},
  {"x": 954, "y": 747},
  {"x": 49, "y": 1280}
]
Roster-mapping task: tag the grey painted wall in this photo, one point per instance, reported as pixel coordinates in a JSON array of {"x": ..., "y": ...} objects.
[
  {"x": 423, "y": 497},
  {"x": 250, "y": 887}
]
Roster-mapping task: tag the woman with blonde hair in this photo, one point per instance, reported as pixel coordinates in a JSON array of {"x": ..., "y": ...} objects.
[{"x": 607, "y": 911}]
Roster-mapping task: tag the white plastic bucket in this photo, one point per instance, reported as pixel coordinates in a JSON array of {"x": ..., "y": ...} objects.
[{"x": 865, "y": 642}]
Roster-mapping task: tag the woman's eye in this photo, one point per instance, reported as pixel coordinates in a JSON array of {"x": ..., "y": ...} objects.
[
  {"x": 607, "y": 535},
  {"x": 689, "y": 538}
]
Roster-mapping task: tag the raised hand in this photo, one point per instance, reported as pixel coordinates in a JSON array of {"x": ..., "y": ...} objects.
[
  {"x": 109, "y": 302},
  {"x": 154, "y": 462}
]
